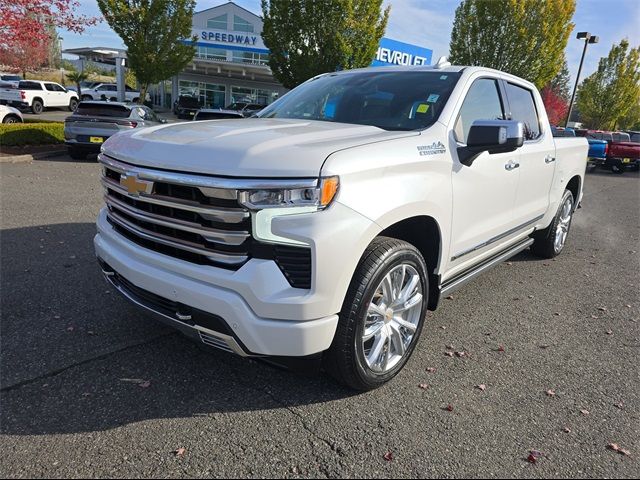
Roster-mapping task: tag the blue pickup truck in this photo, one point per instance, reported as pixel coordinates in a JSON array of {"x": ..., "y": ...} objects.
[{"x": 598, "y": 147}]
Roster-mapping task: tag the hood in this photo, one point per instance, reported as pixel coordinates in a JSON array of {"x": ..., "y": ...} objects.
[{"x": 252, "y": 147}]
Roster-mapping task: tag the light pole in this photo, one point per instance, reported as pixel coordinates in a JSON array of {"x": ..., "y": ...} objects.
[
  {"x": 61, "y": 68},
  {"x": 588, "y": 38}
]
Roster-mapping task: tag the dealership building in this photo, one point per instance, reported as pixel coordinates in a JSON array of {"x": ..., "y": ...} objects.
[{"x": 231, "y": 61}]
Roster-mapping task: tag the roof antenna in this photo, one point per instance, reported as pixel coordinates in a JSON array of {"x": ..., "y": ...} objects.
[{"x": 442, "y": 63}]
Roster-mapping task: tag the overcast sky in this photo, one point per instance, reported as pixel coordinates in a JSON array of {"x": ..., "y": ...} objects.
[{"x": 428, "y": 23}]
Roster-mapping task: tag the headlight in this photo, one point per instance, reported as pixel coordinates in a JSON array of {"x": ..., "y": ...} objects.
[
  {"x": 320, "y": 196},
  {"x": 266, "y": 204}
]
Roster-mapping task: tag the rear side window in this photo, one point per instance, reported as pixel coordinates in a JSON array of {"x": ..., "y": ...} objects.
[
  {"x": 635, "y": 137},
  {"x": 481, "y": 103},
  {"x": 523, "y": 109},
  {"x": 621, "y": 137},
  {"x": 106, "y": 110},
  {"x": 29, "y": 86}
]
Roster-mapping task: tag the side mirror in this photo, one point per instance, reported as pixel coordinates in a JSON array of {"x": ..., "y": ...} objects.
[{"x": 493, "y": 136}]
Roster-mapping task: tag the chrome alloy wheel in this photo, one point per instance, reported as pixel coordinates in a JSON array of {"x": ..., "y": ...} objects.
[
  {"x": 392, "y": 318},
  {"x": 562, "y": 229}
]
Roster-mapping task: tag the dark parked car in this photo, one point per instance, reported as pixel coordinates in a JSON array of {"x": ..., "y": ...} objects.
[
  {"x": 93, "y": 122},
  {"x": 186, "y": 106},
  {"x": 234, "y": 110}
]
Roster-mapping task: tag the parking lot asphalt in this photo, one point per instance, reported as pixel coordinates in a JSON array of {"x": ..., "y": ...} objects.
[{"x": 92, "y": 388}]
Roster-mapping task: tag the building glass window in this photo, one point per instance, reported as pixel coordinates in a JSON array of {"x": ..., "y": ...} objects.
[
  {"x": 241, "y": 25},
  {"x": 210, "y": 53},
  {"x": 253, "y": 95},
  {"x": 219, "y": 23},
  {"x": 255, "y": 58},
  {"x": 210, "y": 95}
]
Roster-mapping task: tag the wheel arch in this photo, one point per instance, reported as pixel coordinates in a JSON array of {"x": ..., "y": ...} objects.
[
  {"x": 40, "y": 99},
  {"x": 424, "y": 233},
  {"x": 574, "y": 186}
]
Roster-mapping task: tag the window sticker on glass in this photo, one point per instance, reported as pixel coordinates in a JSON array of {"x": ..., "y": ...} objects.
[
  {"x": 443, "y": 77},
  {"x": 433, "y": 98},
  {"x": 422, "y": 108}
]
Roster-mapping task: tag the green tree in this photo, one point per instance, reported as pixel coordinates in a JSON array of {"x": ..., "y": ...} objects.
[
  {"x": 606, "y": 96},
  {"x": 77, "y": 77},
  {"x": 309, "y": 37},
  {"x": 157, "y": 34},
  {"x": 561, "y": 83},
  {"x": 526, "y": 38}
]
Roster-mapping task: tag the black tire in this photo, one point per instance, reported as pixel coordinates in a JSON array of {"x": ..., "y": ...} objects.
[
  {"x": 617, "y": 167},
  {"x": 113, "y": 99},
  {"x": 37, "y": 107},
  {"x": 11, "y": 119},
  {"x": 345, "y": 359},
  {"x": 73, "y": 104},
  {"x": 77, "y": 154},
  {"x": 544, "y": 244},
  {"x": 87, "y": 97}
]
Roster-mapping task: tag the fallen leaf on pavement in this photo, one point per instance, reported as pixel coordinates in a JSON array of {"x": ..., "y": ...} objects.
[
  {"x": 620, "y": 405},
  {"x": 609, "y": 332},
  {"x": 584, "y": 412},
  {"x": 567, "y": 430},
  {"x": 450, "y": 297},
  {"x": 551, "y": 393},
  {"x": 145, "y": 384},
  {"x": 450, "y": 347},
  {"x": 616, "y": 448},
  {"x": 602, "y": 309},
  {"x": 482, "y": 387},
  {"x": 180, "y": 452},
  {"x": 431, "y": 370},
  {"x": 449, "y": 354},
  {"x": 534, "y": 455},
  {"x": 500, "y": 349},
  {"x": 449, "y": 408},
  {"x": 388, "y": 456},
  {"x": 70, "y": 329},
  {"x": 423, "y": 386},
  {"x": 460, "y": 354}
]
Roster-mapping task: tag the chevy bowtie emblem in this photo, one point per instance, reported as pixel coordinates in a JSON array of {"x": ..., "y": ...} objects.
[{"x": 134, "y": 185}]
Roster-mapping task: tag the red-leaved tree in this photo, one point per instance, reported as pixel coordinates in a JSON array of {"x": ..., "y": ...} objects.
[
  {"x": 23, "y": 28},
  {"x": 27, "y": 56},
  {"x": 556, "y": 106}
]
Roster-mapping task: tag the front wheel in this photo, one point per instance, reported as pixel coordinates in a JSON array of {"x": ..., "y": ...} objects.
[
  {"x": 73, "y": 104},
  {"x": 11, "y": 119},
  {"x": 617, "y": 167},
  {"x": 382, "y": 315},
  {"x": 549, "y": 242}
]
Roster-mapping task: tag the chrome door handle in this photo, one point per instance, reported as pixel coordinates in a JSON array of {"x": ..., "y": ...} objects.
[
  {"x": 549, "y": 159},
  {"x": 511, "y": 165}
]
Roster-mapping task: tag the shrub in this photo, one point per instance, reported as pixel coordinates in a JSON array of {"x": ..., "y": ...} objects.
[{"x": 18, "y": 134}]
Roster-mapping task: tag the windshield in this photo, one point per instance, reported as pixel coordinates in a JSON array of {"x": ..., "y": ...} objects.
[{"x": 407, "y": 100}]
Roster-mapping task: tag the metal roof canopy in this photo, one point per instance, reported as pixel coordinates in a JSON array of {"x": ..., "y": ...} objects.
[{"x": 110, "y": 56}]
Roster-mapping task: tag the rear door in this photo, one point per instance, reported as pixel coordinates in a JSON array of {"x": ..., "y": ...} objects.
[{"x": 537, "y": 155}]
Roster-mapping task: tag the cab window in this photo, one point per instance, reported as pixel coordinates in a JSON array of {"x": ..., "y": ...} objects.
[
  {"x": 483, "y": 102},
  {"x": 523, "y": 109}
]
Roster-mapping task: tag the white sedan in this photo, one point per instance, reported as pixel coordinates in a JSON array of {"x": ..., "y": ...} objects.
[{"x": 10, "y": 115}]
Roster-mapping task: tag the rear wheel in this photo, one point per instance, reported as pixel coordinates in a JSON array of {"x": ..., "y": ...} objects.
[
  {"x": 37, "y": 107},
  {"x": 77, "y": 154},
  {"x": 382, "y": 315},
  {"x": 73, "y": 104},
  {"x": 87, "y": 97},
  {"x": 617, "y": 167},
  {"x": 551, "y": 241}
]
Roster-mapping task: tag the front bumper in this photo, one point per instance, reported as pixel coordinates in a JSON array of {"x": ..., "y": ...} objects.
[{"x": 264, "y": 314}]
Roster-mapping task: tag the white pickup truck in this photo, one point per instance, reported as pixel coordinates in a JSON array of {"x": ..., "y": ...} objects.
[
  {"x": 109, "y": 91},
  {"x": 330, "y": 224},
  {"x": 38, "y": 95}
]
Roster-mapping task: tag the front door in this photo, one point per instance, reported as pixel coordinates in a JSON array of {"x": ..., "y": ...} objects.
[{"x": 484, "y": 193}]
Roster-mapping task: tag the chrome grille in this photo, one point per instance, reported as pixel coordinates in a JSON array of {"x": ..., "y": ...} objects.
[{"x": 163, "y": 212}]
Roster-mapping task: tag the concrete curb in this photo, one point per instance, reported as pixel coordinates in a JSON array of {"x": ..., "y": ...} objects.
[{"x": 30, "y": 157}]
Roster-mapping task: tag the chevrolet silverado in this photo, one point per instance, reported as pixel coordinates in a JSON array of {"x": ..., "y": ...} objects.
[{"x": 329, "y": 224}]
